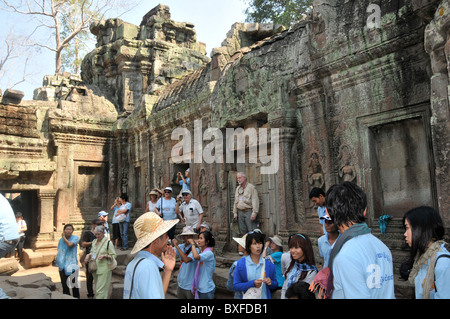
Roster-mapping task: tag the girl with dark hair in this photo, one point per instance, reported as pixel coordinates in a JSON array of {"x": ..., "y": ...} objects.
[
  {"x": 430, "y": 273},
  {"x": 203, "y": 286},
  {"x": 303, "y": 265},
  {"x": 249, "y": 268}
]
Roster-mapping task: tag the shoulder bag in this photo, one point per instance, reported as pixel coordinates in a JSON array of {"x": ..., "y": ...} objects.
[
  {"x": 93, "y": 262},
  {"x": 113, "y": 262}
]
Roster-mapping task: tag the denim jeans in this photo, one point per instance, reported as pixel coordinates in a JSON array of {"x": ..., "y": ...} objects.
[
  {"x": 206, "y": 295},
  {"x": 6, "y": 248},
  {"x": 124, "y": 234}
]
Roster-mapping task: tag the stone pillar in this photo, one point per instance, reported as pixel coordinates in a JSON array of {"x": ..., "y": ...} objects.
[
  {"x": 47, "y": 213},
  {"x": 437, "y": 45},
  {"x": 285, "y": 121}
]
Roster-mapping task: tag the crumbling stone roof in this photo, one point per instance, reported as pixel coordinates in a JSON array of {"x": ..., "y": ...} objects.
[{"x": 187, "y": 87}]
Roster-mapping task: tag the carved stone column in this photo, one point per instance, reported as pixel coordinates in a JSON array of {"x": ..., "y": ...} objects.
[
  {"x": 285, "y": 121},
  {"x": 437, "y": 45},
  {"x": 46, "y": 215}
]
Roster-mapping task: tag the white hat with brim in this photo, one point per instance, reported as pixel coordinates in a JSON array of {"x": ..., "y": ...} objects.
[
  {"x": 276, "y": 240},
  {"x": 187, "y": 231},
  {"x": 148, "y": 227},
  {"x": 240, "y": 240}
]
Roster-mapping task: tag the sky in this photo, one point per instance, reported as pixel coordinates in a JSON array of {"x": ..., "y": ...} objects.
[{"x": 212, "y": 20}]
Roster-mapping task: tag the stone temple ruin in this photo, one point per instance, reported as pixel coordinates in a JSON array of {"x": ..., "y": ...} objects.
[{"x": 351, "y": 101}]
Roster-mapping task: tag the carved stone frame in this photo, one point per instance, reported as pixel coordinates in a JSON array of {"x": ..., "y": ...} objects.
[{"x": 370, "y": 180}]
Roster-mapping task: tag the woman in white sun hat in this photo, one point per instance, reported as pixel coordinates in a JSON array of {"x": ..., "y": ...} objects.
[{"x": 142, "y": 277}]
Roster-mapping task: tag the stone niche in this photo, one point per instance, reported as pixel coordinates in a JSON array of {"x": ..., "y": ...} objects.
[{"x": 399, "y": 154}]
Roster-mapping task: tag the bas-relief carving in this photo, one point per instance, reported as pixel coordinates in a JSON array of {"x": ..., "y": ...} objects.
[
  {"x": 347, "y": 172},
  {"x": 124, "y": 180},
  {"x": 343, "y": 161},
  {"x": 315, "y": 174},
  {"x": 203, "y": 189}
]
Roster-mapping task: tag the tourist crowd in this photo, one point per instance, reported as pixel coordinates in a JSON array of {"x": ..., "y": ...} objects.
[{"x": 356, "y": 264}]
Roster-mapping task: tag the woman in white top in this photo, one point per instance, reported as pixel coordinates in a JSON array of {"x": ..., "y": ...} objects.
[{"x": 151, "y": 204}]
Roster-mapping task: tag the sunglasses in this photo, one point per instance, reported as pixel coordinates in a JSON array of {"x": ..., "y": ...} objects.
[{"x": 167, "y": 192}]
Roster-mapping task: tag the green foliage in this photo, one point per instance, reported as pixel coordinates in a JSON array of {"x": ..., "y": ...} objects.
[{"x": 282, "y": 12}]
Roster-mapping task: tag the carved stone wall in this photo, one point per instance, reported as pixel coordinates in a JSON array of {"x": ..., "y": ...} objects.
[{"x": 349, "y": 100}]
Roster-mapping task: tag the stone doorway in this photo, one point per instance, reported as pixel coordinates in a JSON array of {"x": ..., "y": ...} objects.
[{"x": 398, "y": 157}]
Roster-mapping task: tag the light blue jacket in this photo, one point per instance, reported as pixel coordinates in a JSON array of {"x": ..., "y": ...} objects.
[
  {"x": 442, "y": 275},
  {"x": 363, "y": 269},
  {"x": 242, "y": 280}
]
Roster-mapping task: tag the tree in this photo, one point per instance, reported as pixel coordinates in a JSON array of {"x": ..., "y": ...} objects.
[
  {"x": 66, "y": 19},
  {"x": 14, "y": 57},
  {"x": 282, "y": 12}
]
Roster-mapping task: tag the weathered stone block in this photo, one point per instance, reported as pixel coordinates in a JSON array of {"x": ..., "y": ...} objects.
[
  {"x": 8, "y": 266},
  {"x": 39, "y": 258},
  {"x": 127, "y": 31}
]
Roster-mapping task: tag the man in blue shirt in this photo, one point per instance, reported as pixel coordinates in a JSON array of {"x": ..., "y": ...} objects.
[
  {"x": 317, "y": 196},
  {"x": 142, "y": 277},
  {"x": 9, "y": 235},
  {"x": 326, "y": 242},
  {"x": 360, "y": 264}
]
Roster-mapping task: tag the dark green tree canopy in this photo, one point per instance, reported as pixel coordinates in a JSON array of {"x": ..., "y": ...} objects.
[{"x": 282, "y": 12}]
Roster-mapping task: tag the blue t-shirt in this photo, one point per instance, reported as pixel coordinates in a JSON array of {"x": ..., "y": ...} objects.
[
  {"x": 168, "y": 208},
  {"x": 127, "y": 205},
  {"x": 8, "y": 223},
  {"x": 114, "y": 220},
  {"x": 66, "y": 258},
  {"x": 187, "y": 270},
  {"x": 275, "y": 258},
  {"x": 185, "y": 186},
  {"x": 322, "y": 212},
  {"x": 442, "y": 274},
  {"x": 147, "y": 282},
  {"x": 363, "y": 269},
  {"x": 207, "y": 267},
  {"x": 325, "y": 248}
]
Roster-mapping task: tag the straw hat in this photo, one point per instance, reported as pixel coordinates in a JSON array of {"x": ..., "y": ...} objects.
[
  {"x": 153, "y": 192},
  {"x": 148, "y": 227},
  {"x": 240, "y": 240}
]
